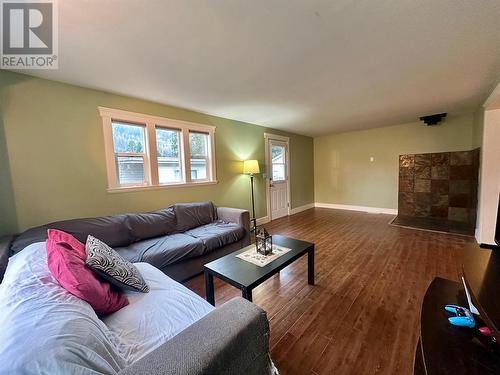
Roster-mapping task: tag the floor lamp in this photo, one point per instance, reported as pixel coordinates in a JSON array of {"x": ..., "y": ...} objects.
[{"x": 251, "y": 167}]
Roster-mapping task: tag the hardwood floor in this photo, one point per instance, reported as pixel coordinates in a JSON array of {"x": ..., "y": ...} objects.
[{"x": 363, "y": 314}]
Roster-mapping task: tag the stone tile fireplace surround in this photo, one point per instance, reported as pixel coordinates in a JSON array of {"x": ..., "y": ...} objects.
[{"x": 438, "y": 191}]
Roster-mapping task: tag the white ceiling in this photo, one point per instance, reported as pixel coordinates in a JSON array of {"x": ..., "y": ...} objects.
[{"x": 310, "y": 67}]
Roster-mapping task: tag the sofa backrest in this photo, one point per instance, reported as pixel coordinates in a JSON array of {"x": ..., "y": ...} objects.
[
  {"x": 113, "y": 230},
  {"x": 152, "y": 224},
  {"x": 123, "y": 230},
  {"x": 192, "y": 215}
]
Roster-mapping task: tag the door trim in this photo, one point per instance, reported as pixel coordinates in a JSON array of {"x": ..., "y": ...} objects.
[{"x": 281, "y": 138}]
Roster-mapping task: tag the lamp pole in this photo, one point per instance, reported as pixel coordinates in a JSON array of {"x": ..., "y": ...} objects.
[
  {"x": 254, "y": 220},
  {"x": 251, "y": 167}
]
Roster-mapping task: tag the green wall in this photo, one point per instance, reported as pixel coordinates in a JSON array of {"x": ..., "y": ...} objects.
[
  {"x": 53, "y": 164},
  {"x": 343, "y": 171},
  {"x": 8, "y": 219},
  {"x": 478, "y": 129}
]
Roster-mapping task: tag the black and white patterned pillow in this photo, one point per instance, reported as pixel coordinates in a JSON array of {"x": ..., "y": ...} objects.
[{"x": 108, "y": 264}]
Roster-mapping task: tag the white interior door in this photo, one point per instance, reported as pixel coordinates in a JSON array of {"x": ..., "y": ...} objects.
[{"x": 278, "y": 178}]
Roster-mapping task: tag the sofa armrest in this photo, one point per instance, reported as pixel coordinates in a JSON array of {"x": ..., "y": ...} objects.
[
  {"x": 238, "y": 216},
  {"x": 4, "y": 253},
  {"x": 233, "y": 339},
  {"x": 234, "y": 215}
]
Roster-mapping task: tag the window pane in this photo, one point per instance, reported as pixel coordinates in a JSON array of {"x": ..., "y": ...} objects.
[
  {"x": 278, "y": 154},
  {"x": 198, "y": 149},
  {"x": 198, "y": 144},
  {"x": 130, "y": 170},
  {"x": 278, "y": 172},
  {"x": 198, "y": 169},
  {"x": 169, "y": 162},
  {"x": 128, "y": 137}
]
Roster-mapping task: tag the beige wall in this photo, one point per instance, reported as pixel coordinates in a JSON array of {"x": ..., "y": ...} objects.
[
  {"x": 52, "y": 161},
  {"x": 489, "y": 188},
  {"x": 478, "y": 129},
  {"x": 343, "y": 173}
]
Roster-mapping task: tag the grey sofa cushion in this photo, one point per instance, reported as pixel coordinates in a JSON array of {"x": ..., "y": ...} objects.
[
  {"x": 191, "y": 215},
  {"x": 217, "y": 234},
  {"x": 111, "y": 229},
  {"x": 152, "y": 224},
  {"x": 162, "y": 251}
]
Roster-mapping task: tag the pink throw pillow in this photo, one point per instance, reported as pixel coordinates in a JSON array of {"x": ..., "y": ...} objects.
[{"x": 66, "y": 260}]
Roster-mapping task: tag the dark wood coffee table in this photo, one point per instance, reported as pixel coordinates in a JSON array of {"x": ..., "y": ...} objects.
[{"x": 246, "y": 276}]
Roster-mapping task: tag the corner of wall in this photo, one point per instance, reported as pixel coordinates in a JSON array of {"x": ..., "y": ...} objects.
[{"x": 478, "y": 128}]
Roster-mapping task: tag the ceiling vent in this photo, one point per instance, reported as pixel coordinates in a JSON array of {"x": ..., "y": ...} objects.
[{"x": 432, "y": 120}]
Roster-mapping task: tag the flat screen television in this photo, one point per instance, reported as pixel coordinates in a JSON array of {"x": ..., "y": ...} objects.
[{"x": 497, "y": 230}]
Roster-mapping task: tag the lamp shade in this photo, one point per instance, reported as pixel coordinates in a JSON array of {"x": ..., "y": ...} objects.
[{"x": 251, "y": 167}]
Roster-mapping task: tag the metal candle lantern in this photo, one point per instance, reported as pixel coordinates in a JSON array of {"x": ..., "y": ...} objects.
[{"x": 263, "y": 242}]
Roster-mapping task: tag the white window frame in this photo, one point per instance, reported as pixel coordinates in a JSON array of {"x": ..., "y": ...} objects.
[
  {"x": 150, "y": 123},
  {"x": 207, "y": 158}
]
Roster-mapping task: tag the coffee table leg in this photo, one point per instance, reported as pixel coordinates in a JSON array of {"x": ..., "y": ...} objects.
[
  {"x": 247, "y": 294},
  {"x": 209, "y": 288},
  {"x": 310, "y": 267}
]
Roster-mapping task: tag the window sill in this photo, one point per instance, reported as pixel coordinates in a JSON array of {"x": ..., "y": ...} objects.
[{"x": 159, "y": 187}]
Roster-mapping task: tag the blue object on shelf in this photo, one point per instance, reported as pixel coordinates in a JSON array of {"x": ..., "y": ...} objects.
[{"x": 463, "y": 318}]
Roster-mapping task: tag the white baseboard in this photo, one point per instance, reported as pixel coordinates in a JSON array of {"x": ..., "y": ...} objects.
[
  {"x": 296, "y": 210},
  {"x": 372, "y": 210},
  {"x": 263, "y": 220},
  {"x": 293, "y": 211}
]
